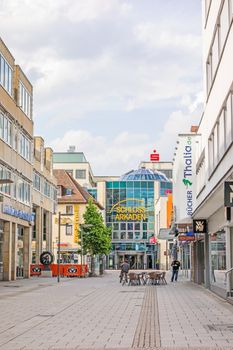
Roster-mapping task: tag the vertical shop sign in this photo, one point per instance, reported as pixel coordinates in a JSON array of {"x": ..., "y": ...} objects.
[
  {"x": 76, "y": 223},
  {"x": 188, "y": 175}
]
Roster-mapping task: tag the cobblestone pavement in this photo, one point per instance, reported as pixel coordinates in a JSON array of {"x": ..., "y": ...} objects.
[{"x": 98, "y": 313}]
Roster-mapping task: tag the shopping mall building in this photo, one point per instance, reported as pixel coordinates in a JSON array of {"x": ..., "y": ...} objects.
[{"x": 130, "y": 212}]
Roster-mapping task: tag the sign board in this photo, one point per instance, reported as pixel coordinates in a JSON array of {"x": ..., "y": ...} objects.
[
  {"x": 228, "y": 193},
  {"x": 199, "y": 226},
  {"x": 186, "y": 238},
  {"x": 184, "y": 178},
  {"x": 155, "y": 157},
  {"x": 21, "y": 214}
]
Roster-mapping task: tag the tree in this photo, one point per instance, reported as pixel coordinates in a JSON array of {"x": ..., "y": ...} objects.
[{"x": 96, "y": 235}]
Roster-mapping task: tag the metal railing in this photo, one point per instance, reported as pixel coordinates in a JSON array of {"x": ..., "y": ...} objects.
[{"x": 228, "y": 280}]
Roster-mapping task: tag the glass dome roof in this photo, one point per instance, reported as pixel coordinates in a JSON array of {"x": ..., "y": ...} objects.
[{"x": 144, "y": 174}]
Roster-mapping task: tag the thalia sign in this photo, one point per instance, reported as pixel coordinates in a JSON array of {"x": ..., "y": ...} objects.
[{"x": 188, "y": 175}]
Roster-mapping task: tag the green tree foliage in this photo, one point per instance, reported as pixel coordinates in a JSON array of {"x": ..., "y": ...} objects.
[{"x": 96, "y": 235}]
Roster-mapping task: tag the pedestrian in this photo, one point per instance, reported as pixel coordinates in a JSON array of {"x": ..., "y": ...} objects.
[
  {"x": 175, "y": 269},
  {"x": 124, "y": 270}
]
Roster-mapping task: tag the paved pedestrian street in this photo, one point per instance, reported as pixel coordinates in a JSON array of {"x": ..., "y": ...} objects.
[{"x": 100, "y": 313}]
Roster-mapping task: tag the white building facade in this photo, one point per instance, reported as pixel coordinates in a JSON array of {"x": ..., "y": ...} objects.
[{"x": 215, "y": 154}]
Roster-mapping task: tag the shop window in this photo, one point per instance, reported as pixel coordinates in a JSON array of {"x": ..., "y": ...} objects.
[
  {"x": 144, "y": 235},
  {"x": 123, "y": 226},
  {"x": 137, "y": 235},
  {"x": 116, "y": 235},
  {"x": 130, "y": 226},
  {"x": 123, "y": 235},
  {"x": 130, "y": 235},
  {"x": 137, "y": 226}
]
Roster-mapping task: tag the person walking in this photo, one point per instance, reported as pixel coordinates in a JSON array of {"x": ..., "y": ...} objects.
[
  {"x": 124, "y": 270},
  {"x": 175, "y": 269}
]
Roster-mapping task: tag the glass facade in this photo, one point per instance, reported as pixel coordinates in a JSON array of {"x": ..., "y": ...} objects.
[{"x": 130, "y": 214}]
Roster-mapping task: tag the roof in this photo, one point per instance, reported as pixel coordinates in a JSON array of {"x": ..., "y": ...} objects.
[
  {"x": 144, "y": 174},
  {"x": 69, "y": 157},
  {"x": 79, "y": 194}
]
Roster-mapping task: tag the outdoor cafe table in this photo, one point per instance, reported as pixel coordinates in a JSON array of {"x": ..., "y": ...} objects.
[{"x": 143, "y": 276}]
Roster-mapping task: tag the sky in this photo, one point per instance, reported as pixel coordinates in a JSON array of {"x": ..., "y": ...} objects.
[{"x": 116, "y": 78}]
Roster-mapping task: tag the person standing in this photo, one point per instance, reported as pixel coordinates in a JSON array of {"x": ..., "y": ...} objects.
[
  {"x": 175, "y": 269},
  {"x": 124, "y": 270}
]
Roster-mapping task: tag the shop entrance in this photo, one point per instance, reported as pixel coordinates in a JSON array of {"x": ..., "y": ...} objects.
[{"x": 135, "y": 260}]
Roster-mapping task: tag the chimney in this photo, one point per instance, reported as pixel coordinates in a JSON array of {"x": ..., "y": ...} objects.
[{"x": 71, "y": 149}]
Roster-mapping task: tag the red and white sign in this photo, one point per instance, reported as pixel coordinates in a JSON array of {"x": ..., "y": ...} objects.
[
  {"x": 153, "y": 240},
  {"x": 155, "y": 157}
]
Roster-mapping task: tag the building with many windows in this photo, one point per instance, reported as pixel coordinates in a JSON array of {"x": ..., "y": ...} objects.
[
  {"x": 16, "y": 169},
  {"x": 76, "y": 165},
  {"x": 129, "y": 202},
  {"x": 44, "y": 199},
  {"x": 214, "y": 154},
  {"x": 72, "y": 202}
]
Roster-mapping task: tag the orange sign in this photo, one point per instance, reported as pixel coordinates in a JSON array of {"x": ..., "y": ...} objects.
[{"x": 186, "y": 238}]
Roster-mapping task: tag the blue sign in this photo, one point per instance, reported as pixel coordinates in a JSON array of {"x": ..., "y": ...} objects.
[{"x": 7, "y": 209}]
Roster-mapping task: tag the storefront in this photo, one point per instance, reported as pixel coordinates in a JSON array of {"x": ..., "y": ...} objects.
[{"x": 15, "y": 242}]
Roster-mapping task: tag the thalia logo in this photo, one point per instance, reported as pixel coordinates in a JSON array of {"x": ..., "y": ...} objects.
[{"x": 187, "y": 183}]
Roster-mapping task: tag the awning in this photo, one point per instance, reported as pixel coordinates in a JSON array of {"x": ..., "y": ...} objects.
[{"x": 165, "y": 233}]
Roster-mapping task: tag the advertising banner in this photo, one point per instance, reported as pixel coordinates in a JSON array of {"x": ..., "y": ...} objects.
[
  {"x": 76, "y": 223},
  {"x": 184, "y": 192}
]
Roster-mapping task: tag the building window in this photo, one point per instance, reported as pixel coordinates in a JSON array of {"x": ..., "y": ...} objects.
[
  {"x": 222, "y": 136},
  {"x": 5, "y": 129},
  {"x": 80, "y": 174},
  {"x": 215, "y": 51},
  {"x": 25, "y": 100},
  {"x": 5, "y": 75},
  {"x": 216, "y": 145},
  {"x": 5, "y": 174},
  {"x": 47, "y": 188},
  {"x": 68, "y": 191},
  {"x": 229, "y": 120},
  {"x": 25, "y": 147},
  {"x": 69, "y": 209},
  {"x": 224, "y": 23},
  {"x": 24, "y": 192},
  {"x": 36, "y": 181},
  {"x": 69, "y": 230}
]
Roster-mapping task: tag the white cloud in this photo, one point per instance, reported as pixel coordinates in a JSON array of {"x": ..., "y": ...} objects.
[
  {"x": 150, "y": 35},
  {"x": 99, "y": 65},
  {"x": 107, "y": 156}
]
